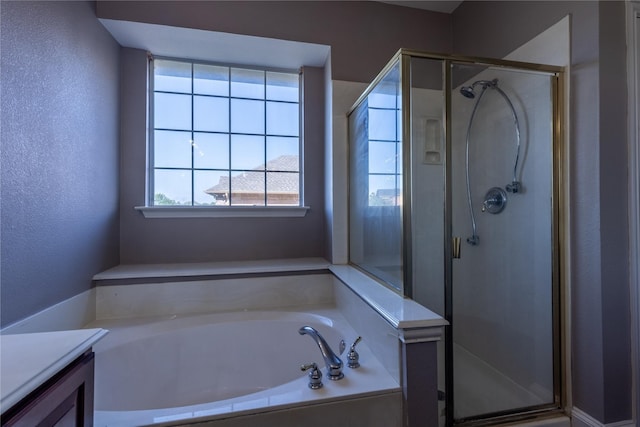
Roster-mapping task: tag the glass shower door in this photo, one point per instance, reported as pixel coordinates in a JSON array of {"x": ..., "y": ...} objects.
[
  {"x": 504, "y": 276},
  {"x": 454, "y": 201}
]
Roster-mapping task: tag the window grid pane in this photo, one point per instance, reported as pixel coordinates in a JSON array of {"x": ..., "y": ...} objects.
[
  {"x": 210, "y": 80},
  {"x": 282, "y": 188},
  {"x": 225, "y": 136},
  {"x": 384, "y": 147},
  {"x": 172, "y": 187},
  {"x": 172, "y": 76},
  {"x": 247, "y": 188}
]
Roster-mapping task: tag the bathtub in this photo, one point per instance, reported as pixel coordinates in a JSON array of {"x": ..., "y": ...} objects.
[{"x": 223, "y": 368}]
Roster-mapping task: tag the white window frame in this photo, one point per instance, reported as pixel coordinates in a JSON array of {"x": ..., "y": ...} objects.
[{"x": 181, "y": 211}]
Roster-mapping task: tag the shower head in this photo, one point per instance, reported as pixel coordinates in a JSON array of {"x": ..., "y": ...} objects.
[{"x": 468, "y": 91}]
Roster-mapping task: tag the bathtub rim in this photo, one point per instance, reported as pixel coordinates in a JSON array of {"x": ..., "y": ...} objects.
[{"x": 293, "y": 394}]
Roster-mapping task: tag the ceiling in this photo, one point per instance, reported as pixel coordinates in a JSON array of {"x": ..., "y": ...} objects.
[{"x": 445, "y": 6}]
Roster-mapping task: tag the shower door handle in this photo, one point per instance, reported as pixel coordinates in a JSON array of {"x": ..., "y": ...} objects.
[{"x": 455, "y": 248}]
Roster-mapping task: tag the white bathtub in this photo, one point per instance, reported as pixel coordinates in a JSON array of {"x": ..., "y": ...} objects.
[{"x": 188, "y": 369}]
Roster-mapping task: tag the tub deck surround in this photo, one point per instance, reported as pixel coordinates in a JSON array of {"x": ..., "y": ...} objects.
[
  {"x": 69, "y": 314},
  {"x": 182, "y": 271},
  {"x": 213, "y": 295},
  {"x": 398, "y": 330},
  {"x": 402, "y": 313},
  {"x": 413, "y": 321},
  {"x": 29, "y": 360},
  {"x": 417, "y": 329},
  {"x": 394, "y": 329}
]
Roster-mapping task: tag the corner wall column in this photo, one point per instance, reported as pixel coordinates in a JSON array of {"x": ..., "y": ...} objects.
[{"x": 419, "y": 359}]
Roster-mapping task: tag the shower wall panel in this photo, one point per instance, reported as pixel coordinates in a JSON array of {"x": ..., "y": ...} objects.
[
  {"x": 428, "y": 149},
  {"x": 376, "y": 179}
]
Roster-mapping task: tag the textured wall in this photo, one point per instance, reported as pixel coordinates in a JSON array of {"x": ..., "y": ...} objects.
[
  {"x": 601, "y": 366},
  {"x": 59, "y": 157},
  {"x": 363, "y": 35}
]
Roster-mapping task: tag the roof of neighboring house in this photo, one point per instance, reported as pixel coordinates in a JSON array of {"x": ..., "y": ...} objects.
[{"x": 247, "y": 182}]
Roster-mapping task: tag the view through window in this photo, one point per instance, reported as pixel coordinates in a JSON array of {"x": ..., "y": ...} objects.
[
  {"x": 224, "y": 135},
  {"x": 384, "y": 145}
]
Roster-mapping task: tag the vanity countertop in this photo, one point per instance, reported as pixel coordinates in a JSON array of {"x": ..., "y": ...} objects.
[{"x": 28, "y": 360}]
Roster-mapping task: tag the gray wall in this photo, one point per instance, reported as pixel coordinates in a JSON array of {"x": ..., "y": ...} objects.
[
  {"x": 598, "y": 157},
  {"x": 59, "y": 158},
  {"x": 363, "y": 36}
]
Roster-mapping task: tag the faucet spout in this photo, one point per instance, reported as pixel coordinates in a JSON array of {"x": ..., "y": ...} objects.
[{"x": 331, "y": 360}]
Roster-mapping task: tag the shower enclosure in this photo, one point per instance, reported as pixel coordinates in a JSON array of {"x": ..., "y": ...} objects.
[{"x": 454, "y": 199}]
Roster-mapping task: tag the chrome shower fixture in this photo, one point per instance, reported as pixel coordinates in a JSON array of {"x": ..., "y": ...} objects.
[
  {"x": 515, "y": 186},
  {"x": 469, "y": 92}
]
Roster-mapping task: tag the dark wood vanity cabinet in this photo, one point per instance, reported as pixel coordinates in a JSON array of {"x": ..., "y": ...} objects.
[{"x": 65, "y": 400}]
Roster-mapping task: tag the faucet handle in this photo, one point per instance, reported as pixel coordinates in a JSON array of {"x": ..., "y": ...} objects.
[
  {"x": 315, "y": 376},
  {"x": 355, "y": 343},
  {"x": 353, "y": 357},
  {"x": 341, "y": 346}
]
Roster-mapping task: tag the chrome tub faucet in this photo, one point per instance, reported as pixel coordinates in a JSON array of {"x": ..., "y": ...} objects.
[{"x": 331, "y": 360}]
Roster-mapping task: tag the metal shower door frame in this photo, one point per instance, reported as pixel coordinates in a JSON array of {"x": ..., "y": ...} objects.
[
  {"x": 556, "y": 74},
  {"x": 559, "y": 218}
]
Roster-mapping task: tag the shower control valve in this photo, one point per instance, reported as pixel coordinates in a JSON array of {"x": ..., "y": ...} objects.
[
  {"x": 494, "y": 201},
  {"x": 315, "y": 376}
]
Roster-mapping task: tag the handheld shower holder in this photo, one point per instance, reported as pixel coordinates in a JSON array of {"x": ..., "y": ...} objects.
[{"x": 514, "y": 187}]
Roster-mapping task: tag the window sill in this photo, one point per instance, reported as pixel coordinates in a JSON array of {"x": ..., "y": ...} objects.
[{"x": 223, "y": 211}]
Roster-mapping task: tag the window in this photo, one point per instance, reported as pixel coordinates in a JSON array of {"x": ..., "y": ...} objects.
[{"x": 224, "y": 136}]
